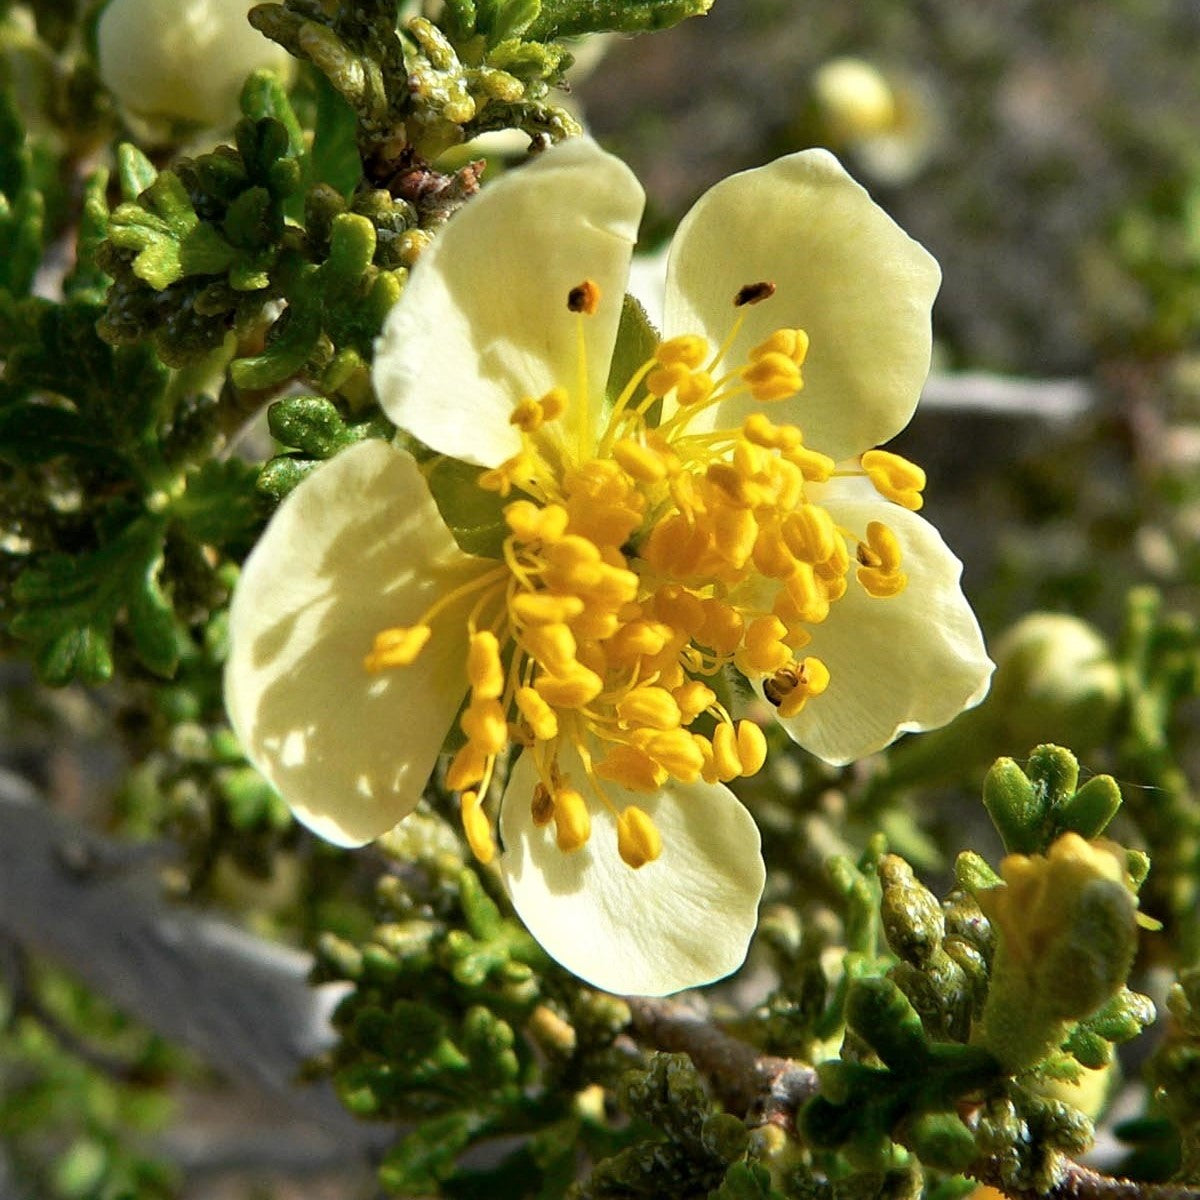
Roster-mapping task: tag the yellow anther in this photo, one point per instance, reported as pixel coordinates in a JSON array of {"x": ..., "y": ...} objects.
[
  {"x": 808, "y": 596},
  {"x": 484, "y": 723},
  {"x": 772, "y": 555},
  {"x": 690, "y": 387},
  {"x": 640, "y": 461},
  {"x": 749, "y": 460},
  {"x": 477, "y": 828},
  {"x": 726, "y": 761},
  {"x": 882, "y": 584},
  {"x": 584, "y": 298},
  {"x": 529, "y": 523},
  {"x": 552, "y": 645},
  {"x": 638, "y": 839},
  {"x": 610, "y": 586},
  {"x": 397, "y": 647},
  {"x": 774, "y": 376},
  {"x": 572, "y": 822},
  {"x": 572, "y": 551},
  {"x": 881, "y": 550},
  {"x": 544, "y": 608},
  {"x": 679, "y": 608},
  {"x": 761, "y": 430},
  {"x": 815, "y": 467},
  {"x": 734, "y": 532},
  {"x": 693, "y": 698},
  {"x": 507, "y": 475},
  {"x": 708, "y": 769},
  {"x": 554, "y": 404},
  {"x": 789, "y": 484},
  {"x": 541, "y": 806},
  {"x": 596, "y": 624},
  {"x": 730, "y": 480},
  {"x": 484, "y": 669},
  {"x": 764, "y": 649},
  {"x": 810, "y": 534},
  {"x": 722, "y": 628},
  {"x": 467, "y": 767},
  {"x": 537, "y": 713},
  {"x": 649, "y": 708},
  {"x": 573, "y": 689},
  {"x": 751, "y": 746},
  {"x": 527, "y": 416},
  {"x": 639, "y": 639},
  {"x": 689, "y": 350},
  {"x": 673, "y": 749},
  {"x": 895, "y": 478},
  {"x": 791, "y": 343},
  {"x": 632, "y": 768}
]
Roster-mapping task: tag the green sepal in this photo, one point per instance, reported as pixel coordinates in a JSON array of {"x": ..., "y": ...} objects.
[
  {"x": 474, "y": 515},
  {"x": 570, "y": 18},
  {"x": 636, "y": 342}
]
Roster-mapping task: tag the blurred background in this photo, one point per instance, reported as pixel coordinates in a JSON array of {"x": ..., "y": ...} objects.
[{"x": 1048, "y": 154}]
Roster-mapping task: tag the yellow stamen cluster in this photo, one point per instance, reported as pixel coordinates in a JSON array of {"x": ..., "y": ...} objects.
[{"x": 638, "y": 568}]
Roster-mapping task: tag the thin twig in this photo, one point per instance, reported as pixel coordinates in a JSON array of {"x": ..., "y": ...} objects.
[
  {"x": 764, "y": 1088},
  {"x": 770, "y": 1090},
  {"x": 1083, "y": 1183}
]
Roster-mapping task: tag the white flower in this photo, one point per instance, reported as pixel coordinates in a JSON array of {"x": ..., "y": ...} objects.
[
  {"x": 182, "y": 60},
  {"x": 657, "y": 536}
]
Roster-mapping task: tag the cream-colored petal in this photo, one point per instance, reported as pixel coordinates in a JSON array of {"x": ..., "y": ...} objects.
[
  {"x": 844, "y": 272},
  {"x": 909, "y": 662},
  {"x": 357, "y": 548},
  {"x": 483, "y": 322},
  {"x": 678, "y": 922}
]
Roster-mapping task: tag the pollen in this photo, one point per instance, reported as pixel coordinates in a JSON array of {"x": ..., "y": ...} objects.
[{"x": 645, "y": 553}]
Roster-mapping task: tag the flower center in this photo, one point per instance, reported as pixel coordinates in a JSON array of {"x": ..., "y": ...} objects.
[{"x": 638, "y": 566}]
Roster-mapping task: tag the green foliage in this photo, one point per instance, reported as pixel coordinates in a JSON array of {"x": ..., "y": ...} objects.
[
  {"x": 22, "y": 207},
  {"x": 84, "y": 1112},
  {"x": 1174, "y": 1073},
  {"x": 696, "y": 1152},
  {"x": 569, "y": 18}
]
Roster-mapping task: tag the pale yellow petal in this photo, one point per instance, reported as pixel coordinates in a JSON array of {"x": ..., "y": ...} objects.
[
  {"x": 902, "y": 663},
  {"x": 357, "y": 548},
  {"x": 483, "y": 322},
  {"x": 844, "y": 272},
  {"x": 681, "y": 921}
]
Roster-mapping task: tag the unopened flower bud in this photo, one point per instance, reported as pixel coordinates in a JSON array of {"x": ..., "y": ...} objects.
[{"x": 182, "y": 60}]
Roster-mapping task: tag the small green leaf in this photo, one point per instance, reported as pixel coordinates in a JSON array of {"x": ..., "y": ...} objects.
[
  {"x": 221, "y": 505},
  {"x": 70, "y": 605},
  {"x": 427, "y": 1155}
]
